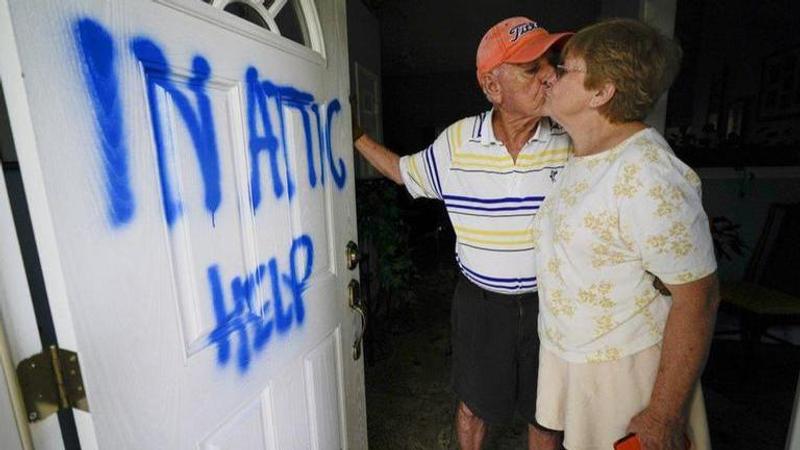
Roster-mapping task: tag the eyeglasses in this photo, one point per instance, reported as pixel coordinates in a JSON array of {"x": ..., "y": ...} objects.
[{"x": 562, "y": 70}]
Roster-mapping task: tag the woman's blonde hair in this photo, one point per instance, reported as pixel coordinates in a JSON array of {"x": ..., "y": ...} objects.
[{"x": 636, "y": 58}]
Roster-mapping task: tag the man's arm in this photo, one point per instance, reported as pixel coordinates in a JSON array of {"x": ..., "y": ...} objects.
[
  {"x": 687, "y": 337},
  {"x": 384, "y": 160}
]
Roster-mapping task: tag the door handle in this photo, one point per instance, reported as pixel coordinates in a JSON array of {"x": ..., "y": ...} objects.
[{"x": 354, "y": 301}]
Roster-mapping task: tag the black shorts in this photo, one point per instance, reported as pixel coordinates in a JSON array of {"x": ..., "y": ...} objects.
[{"x": 495, "y": 352}]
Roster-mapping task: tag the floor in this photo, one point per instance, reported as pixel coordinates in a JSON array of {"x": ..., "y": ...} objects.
[{"x": 749, "y": 391}]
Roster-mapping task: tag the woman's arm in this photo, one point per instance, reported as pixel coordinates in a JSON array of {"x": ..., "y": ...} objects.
[{"x": 687, "y": 337}]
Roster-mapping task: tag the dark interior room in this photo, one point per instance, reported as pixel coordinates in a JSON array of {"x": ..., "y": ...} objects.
[
  {"x": 198, "y": 251},
  {"x": 732, "y": 114}
]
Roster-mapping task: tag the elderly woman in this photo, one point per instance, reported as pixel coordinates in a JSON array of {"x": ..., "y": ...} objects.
[{"x": 618, "y": 356}]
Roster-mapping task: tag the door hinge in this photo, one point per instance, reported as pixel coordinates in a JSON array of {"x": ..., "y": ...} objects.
[{"x": 51, "y": 381}]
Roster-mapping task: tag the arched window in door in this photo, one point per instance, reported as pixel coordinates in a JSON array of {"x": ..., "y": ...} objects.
[{"x": 296, "y": 20}]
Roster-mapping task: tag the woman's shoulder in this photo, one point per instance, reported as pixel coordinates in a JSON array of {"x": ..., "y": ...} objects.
[
  {"x": 649, "y": 146},
  {"x": 654, "y": 159},
  {"x": 646, "y": 143}
]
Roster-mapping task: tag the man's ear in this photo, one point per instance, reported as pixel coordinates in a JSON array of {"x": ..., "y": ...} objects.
[
  {"x": 603, "y": 95},
  {"x": 491, "y": 86}
]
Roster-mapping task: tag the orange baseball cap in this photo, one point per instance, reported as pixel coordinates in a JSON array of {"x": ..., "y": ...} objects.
[{"x": 515, "y": 40}]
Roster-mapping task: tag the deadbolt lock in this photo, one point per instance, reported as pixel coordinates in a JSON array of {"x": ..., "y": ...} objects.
[{"x": 353, "y": 257}]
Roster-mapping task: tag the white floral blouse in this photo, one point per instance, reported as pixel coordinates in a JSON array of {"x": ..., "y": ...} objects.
[{"x": 613, "y": 221}]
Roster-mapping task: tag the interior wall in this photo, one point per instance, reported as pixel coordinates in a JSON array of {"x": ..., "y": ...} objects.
[
  {"x": 730, "y": 63},
  {"x": 744, "y": 196},
  {"x": 428, "y": 52},
  {"x": 424, "y": 37},
  {"x": 417, "y": 108},
  {"x": 621, "y": 8},
  {"x": 364, "y": 50},
  {"x": 661, "y": 15},
  {"x": 363, "y": 37}
]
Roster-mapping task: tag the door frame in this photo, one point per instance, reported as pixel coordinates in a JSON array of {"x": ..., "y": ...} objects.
[
  {"x": 19, "y": 319},
  {"x": 13, "y": 285}
]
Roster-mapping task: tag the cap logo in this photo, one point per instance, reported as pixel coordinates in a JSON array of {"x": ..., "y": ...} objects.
[{"x": 519, "y": 30}]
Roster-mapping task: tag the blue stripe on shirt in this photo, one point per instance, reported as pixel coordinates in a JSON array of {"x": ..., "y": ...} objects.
[
  {"x": 496, "y": 279},
  {"x": 436, "y": 172},
  {"x": 508, "y": 289},
  {"x": 429, "y": 170},
  {"x": 494, "y": 200},
  {"x": 480, "y": 127}
]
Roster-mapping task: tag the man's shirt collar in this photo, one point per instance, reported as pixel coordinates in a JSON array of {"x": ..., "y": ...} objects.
[{"x": 485, "y": 130}]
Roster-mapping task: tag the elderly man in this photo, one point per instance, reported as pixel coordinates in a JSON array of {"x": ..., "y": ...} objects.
[{"x": 493, "y": 171}]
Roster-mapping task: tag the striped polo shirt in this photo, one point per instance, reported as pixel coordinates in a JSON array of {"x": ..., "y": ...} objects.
[{"x": 491, "y": 200}]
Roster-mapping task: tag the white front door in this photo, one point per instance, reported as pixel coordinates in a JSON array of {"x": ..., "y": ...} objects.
[{"x": 189, "y": 176}]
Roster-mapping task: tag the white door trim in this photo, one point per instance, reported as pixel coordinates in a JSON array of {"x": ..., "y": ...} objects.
[
  {"x": 19, "y": 318},
  {"x": 13, "y": 285}
]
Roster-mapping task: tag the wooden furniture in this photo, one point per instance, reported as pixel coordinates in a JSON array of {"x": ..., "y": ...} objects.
[{"x": 770, "y": 291}]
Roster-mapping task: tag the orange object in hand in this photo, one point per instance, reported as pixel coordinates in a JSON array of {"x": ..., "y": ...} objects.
[{"x": 631, "y": 442}]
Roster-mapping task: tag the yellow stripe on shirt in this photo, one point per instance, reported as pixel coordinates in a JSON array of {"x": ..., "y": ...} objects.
[
  {"x": 517, "y": 243},
  {"x": 455, "y": 137},
  {"x": 414, "y": 172},
  {"x": 559, "y": 152},
  {"x": 498, "y": 238},
  {"x": 509, "y": 166},
  {"x": 467, "y": 230}
]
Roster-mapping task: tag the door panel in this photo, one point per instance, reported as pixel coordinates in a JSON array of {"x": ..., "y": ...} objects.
[
  {"x": 245, "y": 428},
  {"x": 194, "y": 175},
  {"x": 322, "y": 391}
]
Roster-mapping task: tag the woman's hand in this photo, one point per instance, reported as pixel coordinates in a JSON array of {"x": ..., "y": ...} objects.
[{"x": 658, "y": 433}]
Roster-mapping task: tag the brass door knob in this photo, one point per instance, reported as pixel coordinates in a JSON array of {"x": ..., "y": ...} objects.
[{"x": 353, "y": 257}]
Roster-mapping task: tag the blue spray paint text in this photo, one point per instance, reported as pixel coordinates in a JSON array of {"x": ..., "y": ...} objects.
[
  {"x": 194, "y": 106},
  {"x": 253, "y": 322}
]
